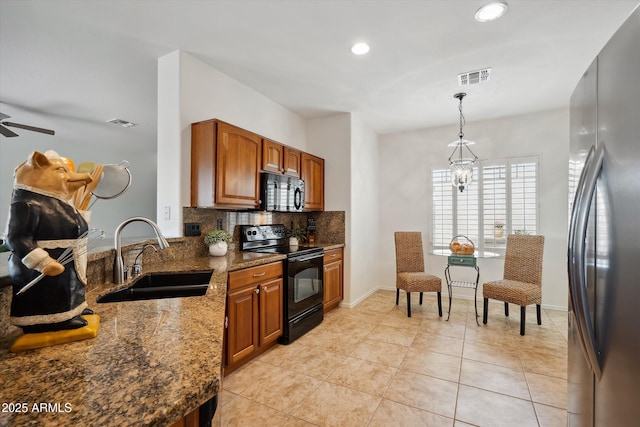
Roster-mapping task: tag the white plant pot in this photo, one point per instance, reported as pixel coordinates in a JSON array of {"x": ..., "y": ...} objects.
[
  {"x": 293, "y": 241},
  {"x": 218, "y": 249}
]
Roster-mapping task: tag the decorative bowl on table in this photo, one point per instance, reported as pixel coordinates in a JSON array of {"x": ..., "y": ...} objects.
[{"x": 461, "y": 245}]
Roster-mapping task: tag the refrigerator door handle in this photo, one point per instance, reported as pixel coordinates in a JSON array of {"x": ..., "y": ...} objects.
[
  {"x": 579, "y": 193},
  {"x": 577, "y": 235}
]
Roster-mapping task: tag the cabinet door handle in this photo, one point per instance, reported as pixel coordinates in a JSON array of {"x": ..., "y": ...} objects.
[
  {"x": 259, "y": 274},
  {"x": 264, "y": 288},
  {"x": 257, "y": 291}
]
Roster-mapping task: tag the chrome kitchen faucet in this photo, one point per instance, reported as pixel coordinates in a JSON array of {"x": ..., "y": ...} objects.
[{"x": 118, "y": 264}]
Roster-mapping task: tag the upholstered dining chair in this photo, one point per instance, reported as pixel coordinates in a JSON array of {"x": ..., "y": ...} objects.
[
  {"x": 522, "y": 279},
  {"x": 410, "y": 274}
]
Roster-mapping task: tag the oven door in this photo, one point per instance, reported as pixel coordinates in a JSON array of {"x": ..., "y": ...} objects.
[{"x": 304, "y": 284}]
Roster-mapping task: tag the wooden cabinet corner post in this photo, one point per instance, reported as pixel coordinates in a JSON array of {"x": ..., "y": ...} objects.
[{"x": 203, "y": 160}]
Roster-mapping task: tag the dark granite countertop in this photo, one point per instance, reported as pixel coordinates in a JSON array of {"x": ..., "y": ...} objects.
[{"x": 151, "y": 363}]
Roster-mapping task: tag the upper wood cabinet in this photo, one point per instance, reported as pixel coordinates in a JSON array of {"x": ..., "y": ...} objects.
[
  {"x": 292, "y": 161},
  {"x": 279, "y": 158},
  {"x": 272, "y": 156},
  {"x": 226, "y": 162},
  {"x": 225, "y": 165},
  {"x": 312, "y": 172}
]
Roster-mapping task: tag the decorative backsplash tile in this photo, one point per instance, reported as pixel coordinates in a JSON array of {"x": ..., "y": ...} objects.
[{"x": 330, "y": 225}]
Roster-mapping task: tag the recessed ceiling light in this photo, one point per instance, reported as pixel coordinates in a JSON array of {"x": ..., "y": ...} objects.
[
  {"x": 360, "y": 48},
  {"x": 491, "y": 12}
]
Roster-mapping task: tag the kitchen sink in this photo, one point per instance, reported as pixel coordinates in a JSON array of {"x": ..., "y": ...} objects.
[{"x": 162, "y": 285}]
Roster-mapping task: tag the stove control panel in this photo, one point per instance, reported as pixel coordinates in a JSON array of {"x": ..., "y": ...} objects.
[{"x": 257, "y": 233}]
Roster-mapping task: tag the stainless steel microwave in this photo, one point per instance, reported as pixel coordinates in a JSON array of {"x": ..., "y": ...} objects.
[{"x": 281, "y": 193}]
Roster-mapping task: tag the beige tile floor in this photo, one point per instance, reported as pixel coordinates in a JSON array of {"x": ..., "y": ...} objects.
[{"x": 374, "y": 366}]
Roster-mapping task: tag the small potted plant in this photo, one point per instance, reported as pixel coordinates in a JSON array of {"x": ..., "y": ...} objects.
[
  {"x": 499, "y": 225},
  {"x": 217, "y": 242},
  {"x": 296, "y": 235}
]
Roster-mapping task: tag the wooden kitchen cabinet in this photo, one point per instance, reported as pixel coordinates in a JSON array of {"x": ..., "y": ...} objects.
[
  {"x": 225, "y": 165},
  {"x": 333, "y": 278},
  {"x": 312, "y": 172},
  {"x": 254, "y": 312},
  {"x": 271, "y": 311},
  {"x": 292, "y": 162},
  {"x": 272, "y": 156},
  {"x": 192, "y": 419},
  {"x": 279, "y": 158},
  {"x": 242, "y": 326}
]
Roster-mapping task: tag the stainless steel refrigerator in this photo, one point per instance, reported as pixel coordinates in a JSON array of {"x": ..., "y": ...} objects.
[{"x": 604, "y": 237}]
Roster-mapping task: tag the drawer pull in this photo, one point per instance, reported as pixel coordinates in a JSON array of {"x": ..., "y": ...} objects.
[
  {"x": 259, "y": 274},
  {"x": 333, "y": 255}
]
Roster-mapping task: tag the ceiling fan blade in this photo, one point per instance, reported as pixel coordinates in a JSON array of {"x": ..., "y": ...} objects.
[
  {"x": 3, "y": 116},
  {"x": 31, "y": 128},
  {"x": 7, "y": 132}
]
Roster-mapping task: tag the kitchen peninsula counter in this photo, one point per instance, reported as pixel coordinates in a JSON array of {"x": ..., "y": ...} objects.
[{"x": 152, "y": 362}]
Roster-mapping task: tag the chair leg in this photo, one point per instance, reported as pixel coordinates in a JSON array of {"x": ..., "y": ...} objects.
[
  {"x": 420, "y": 298},
  {"x": 439, "y": 304},
  {"x": 523, "y": 315},
  {"x": 506, "y": 309},
  {"x": 486, "y": 310},
  {"x": 408, "y": 304},
  {"x": 538, "y": 313},
  {"x": 397, "y": 295}
]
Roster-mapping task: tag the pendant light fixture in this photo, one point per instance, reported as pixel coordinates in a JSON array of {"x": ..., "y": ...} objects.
[{"x": 461, "y": 167}]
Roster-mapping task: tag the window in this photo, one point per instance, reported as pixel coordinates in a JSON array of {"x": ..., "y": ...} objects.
[{"x": 502, "y": 199}]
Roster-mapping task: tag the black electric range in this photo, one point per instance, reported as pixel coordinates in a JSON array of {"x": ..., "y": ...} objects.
[
  {"x": 272, "y": 239},
  {"x": 303, "y": 287}
]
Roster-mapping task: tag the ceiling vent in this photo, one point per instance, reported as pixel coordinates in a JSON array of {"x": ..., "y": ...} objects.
[
  {"x": 474, "y": 77},
  {"x": 120, "y": 122}
]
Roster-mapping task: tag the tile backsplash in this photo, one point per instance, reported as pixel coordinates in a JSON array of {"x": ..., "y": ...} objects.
[{"x": 330, "y": 225}]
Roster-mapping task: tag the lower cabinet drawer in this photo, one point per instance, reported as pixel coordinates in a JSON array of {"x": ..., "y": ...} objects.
[
  {"x": 462, "y": 260},
  {"x": 332, "y": 255},
  {"x": 252, "y": 275}
]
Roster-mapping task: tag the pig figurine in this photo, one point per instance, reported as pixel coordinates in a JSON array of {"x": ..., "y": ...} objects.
[{"x": 43, "y": 222}]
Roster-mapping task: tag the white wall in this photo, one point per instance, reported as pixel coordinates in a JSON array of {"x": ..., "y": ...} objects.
[
  {"x": 83, "y": 140},
  {"x": 171, "y": 177},
  {"x": 350, "y": 149},
  {"x": 329, "y": 137},
  {"x": 190, "y": 90},
  {"x": 365, "y": 179},
  {"x": 405, "y": 161}
]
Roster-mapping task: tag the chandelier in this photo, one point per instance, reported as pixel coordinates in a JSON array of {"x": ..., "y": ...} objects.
[{"x": 461, "y": 166}]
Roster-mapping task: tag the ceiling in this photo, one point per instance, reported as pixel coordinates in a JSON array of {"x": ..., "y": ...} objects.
[{"x": 96, "y": 60}]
